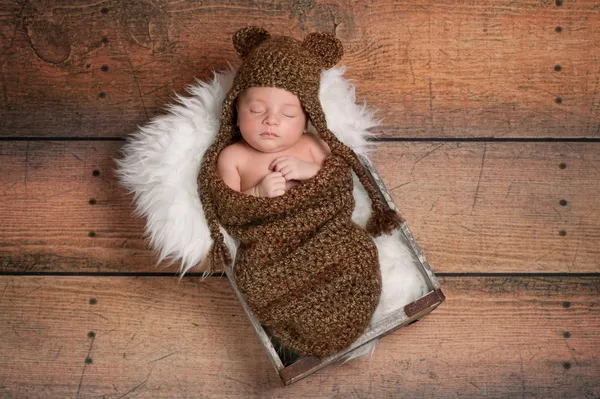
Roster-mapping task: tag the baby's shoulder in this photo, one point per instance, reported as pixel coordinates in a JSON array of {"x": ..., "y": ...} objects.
[
  {"x": 233, "y": 154},
  {"x": 318, "y": 147},
  {"x": 234, "y": 150}
]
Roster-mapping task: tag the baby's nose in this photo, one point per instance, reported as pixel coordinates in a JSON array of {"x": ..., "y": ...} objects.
[{"x": 271, "y": 120}]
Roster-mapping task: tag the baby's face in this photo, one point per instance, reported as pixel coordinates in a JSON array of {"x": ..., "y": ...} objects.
[{"x": 270, "y": 119}]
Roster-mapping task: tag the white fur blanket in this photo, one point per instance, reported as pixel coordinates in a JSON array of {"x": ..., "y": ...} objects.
[{"x": 161, "y": 160}]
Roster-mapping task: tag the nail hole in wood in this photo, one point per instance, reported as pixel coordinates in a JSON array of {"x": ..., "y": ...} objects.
[
  {"x": 88, "y": 360},
  {"x": 92, "y": 234},
  {"x": 558, "y": 100},
  {"x": 557, "y": 68},
  {"x": 91, "y": 335},
  {"x": 104, "y": 68},
  {"x": 567, "y": 334},
  {"x": 559, "y": 3},
  {"x": 558, "y": 29},
  {"x": 93, "y": 301},
  {"x": 104, "y": 10},
  {"x": 562, "y": 165},
  {"x": 562, "y": 233},
  {"x": 567, "y": 365},
  {"x": 105, "y": 40},
  {"x": 96, "y": 173},
  {"x": 92, "y": 201},
  {"x": 563, "y": 202},
  {"x": 566, "y": 304}
]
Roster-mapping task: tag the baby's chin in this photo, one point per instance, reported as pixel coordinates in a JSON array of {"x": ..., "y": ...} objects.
[
  {"x": 271, "y": 149},
  {"x": 270, "y": 146}
]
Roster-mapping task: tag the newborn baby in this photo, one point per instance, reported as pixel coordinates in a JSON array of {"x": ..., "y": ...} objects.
[
  {"x": 274, "y": 153},
  {"x": 306, "y": 270}
]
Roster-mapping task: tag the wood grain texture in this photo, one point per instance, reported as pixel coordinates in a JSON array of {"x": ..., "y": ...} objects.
[
  {"x": 156, "y": 338},
  {"x": 499, "y": 207},
  {"x": 444, "y": 68},
  {"x": 473, "y": 207}
]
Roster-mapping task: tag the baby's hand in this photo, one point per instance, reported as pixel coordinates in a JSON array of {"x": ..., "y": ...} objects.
[
  {"x": 293, "y": 168},
  {"x": 272, "y": 185}
]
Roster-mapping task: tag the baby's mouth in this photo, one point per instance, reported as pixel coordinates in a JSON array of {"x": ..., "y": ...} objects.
[{"x": 268, "y": 134}]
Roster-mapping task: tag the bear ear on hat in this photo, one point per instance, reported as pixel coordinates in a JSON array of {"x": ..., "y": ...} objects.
[
  {"x": 327, "y": 47},
  {"x": 246, "y": 39}
]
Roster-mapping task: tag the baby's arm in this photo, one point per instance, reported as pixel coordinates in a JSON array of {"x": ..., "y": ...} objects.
[{"x": 228, "y": 166}]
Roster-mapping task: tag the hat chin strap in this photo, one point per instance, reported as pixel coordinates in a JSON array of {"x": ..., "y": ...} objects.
[
  {"x": 218, "y": 254},
  {"x": 382, "y": 219}
]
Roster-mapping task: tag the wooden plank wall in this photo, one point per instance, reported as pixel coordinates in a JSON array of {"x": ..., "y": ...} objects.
[{"x": 489, "y": 144}]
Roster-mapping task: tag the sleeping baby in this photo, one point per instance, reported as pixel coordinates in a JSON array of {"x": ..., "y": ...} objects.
[
  {"x": 306, "y": 270},
  {"x": 274, "y": 153}
]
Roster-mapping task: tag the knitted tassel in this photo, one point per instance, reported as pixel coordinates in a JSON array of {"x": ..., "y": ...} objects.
[
  {"x": 383, "y": 221},
  {"x": 218, "y": 254}
]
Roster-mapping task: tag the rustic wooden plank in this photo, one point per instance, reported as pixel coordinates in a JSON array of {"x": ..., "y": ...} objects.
[
  {"x": 63, "y": 210},
  {"x": 473, "y": 207},
  {"x": 499, "y": 207},
  {"x": 433, "y": 69},
  {"x": 154, "y": 337}
]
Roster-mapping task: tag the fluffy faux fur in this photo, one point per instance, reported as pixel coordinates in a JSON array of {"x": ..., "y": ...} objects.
[{"x": 161, "y": 160}]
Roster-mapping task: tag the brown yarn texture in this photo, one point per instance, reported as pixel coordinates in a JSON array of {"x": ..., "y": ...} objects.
[{"x": 307, "y": 271}]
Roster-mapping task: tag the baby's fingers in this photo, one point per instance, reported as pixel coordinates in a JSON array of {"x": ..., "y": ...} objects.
[
  {"x": 279, "y": 162},
  {"x": 276, "y": 177},
  {"x": 278, "y": 186},
  {"x": 286, "y": 172}
]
